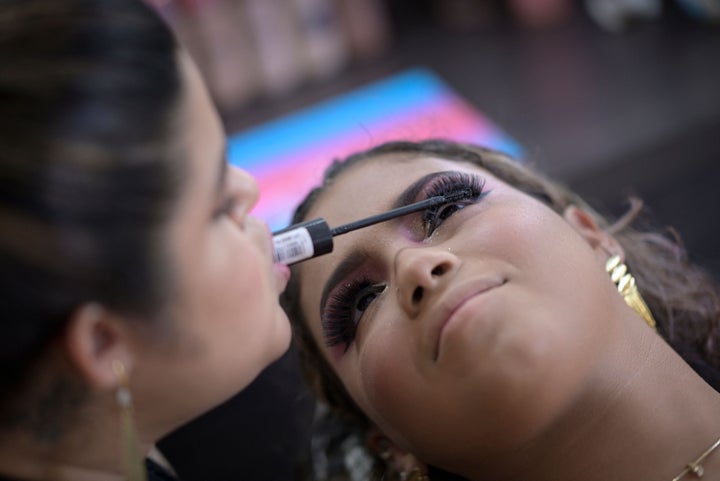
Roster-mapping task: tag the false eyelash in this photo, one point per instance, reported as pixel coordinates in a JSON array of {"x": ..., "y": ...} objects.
[
  {"x": 453, "y": 182},
  {"x": 337, "y": 323},
  {"x": 449, "y": 184}
]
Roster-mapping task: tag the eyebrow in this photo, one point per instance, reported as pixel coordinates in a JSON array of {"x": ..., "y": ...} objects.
[{"x": 355, "y": 259}]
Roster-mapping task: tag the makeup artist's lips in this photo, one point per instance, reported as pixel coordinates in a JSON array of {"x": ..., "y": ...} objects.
[
  {"x": 281, "y": 271},
  {"x": 452, "y": 301},
  {"x": 282, "y": 276}
]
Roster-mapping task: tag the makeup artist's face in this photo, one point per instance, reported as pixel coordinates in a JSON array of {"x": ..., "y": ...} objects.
[
  {"x": 461, "y": 330},
  {"x": 227, "y": 324}
]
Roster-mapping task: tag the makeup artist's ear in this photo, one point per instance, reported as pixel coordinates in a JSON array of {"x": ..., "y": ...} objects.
[
  {"x": 599, "y": 239},
  {"x": 93, "y": 340},
  {"x": 395, "y": 457}
]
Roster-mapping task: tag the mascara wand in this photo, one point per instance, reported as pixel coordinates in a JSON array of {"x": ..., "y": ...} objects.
[{"x": 314, "y": 238}]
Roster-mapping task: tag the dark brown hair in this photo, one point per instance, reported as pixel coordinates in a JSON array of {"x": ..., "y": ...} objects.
[
  {"x": 89, "y": 90},
  {"x": 683, "y": 298}
]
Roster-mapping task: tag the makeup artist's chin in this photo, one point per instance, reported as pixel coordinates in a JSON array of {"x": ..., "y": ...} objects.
[
  {"x": 282, "y": 334},
  {"x": 279, "y": 272},
  {"x": 281, "y": 275}
]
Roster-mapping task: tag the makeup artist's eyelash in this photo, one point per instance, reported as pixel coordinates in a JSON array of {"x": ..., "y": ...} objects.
[
  {"x": 446, "y": 185},
  {"x": 346, "y": 306}
]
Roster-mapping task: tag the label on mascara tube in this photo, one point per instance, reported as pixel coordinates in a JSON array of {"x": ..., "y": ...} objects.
[{"x": 293, "y": 246}]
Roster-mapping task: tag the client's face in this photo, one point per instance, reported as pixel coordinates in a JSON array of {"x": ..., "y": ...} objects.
[{"x": 460, "y": 330}]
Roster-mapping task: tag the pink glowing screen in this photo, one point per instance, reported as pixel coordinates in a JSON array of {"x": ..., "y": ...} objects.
[{"x": 288, "y": 155}]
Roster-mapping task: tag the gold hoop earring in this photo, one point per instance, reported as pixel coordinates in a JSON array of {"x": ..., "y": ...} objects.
[
  {"x": 134, "y": 461},
  {"x": 626, "y": 287}
]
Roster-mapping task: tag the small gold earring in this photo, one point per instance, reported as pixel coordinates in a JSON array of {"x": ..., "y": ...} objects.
[
  {"x": 626, "y": 287},
  {"x": 134, "y": 461},
  {"x": 414, "y": 475}
]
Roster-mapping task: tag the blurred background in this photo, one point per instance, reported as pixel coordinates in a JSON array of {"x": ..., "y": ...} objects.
[{"x": 616, "y": 98}]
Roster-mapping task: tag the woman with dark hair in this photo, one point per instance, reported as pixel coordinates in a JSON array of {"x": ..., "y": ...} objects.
[
  {"x": 136, "y": 291},
  {"x": 513, "y": 335}
]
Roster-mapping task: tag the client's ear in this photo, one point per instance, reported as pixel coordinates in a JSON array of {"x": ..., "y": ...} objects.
[
  {"x": 599, "y": 239},
  {"x": 397, "y": 458}
]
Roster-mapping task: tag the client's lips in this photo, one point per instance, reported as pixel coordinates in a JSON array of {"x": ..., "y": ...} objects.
[{"x": 452, "y": 300}]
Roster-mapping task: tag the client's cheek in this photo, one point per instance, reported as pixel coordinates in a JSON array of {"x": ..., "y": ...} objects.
[{"x": 389, "y": 384}]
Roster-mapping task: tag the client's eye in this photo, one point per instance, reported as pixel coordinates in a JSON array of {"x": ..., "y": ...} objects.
[
  {"x": 445, "y": 185},
  {"x": 433, "y": 218},
  {"x": 344, "y": 310}
]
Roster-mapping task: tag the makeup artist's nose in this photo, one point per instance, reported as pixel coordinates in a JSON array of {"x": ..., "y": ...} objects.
[
  {"x": 420, "y": 271},
  {"x": 244, "y": 188}
]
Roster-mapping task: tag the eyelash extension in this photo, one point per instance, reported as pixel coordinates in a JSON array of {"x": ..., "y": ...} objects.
[
  {"x": 445, "y": 185},
  {"x": 338, "y": 324}
]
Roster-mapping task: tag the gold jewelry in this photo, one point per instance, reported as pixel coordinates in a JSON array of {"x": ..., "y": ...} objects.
[
  {"x": 627, "y": 288},
  {"x": 414, "y": 475},
  {"x": 134, "y": 461},
  {"x": 695, "y": 467}
]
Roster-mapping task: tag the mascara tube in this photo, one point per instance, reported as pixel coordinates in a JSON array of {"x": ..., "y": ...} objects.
[
  {"x": 302, "y": 241},
  {"x": 315, "y": 238}
]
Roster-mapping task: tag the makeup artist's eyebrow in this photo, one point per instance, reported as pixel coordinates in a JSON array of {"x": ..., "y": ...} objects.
[
  {"x": 409, "y": 195},
  {"x": 341, "y": 271}
]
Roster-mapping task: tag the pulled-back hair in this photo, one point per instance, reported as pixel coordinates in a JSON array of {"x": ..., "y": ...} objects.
[
  {"x": 88, "y": 93},
  {"x": 683, "y": 298}
]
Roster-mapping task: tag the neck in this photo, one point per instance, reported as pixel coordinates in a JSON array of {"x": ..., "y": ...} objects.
[{"x": 645, "y": 415}]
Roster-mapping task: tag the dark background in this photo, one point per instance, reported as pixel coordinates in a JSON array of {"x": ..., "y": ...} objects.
[{"x": 611, "y": 114}]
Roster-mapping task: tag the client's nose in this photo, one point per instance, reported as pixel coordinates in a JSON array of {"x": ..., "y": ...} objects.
[{"x": 420, "y": 271}]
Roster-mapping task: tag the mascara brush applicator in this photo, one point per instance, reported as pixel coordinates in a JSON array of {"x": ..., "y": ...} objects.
[{"x": 300, "y": 242}]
